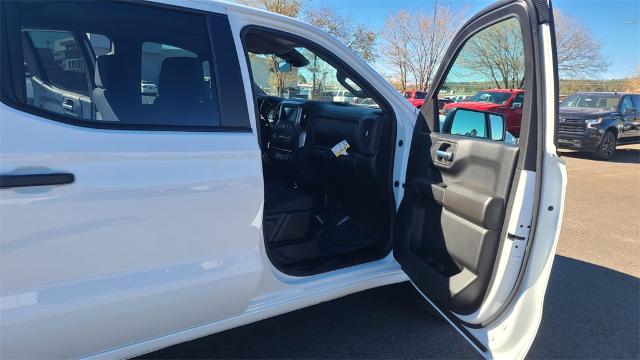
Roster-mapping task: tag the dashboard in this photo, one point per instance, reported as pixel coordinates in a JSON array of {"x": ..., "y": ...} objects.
[{"x": 301, "y": 133}]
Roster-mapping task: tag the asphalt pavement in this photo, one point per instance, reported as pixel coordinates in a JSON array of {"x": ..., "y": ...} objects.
[{"x": 591, "y": 307}]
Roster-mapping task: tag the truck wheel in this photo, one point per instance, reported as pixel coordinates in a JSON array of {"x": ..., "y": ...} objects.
[{"x": 607, "y": 146}]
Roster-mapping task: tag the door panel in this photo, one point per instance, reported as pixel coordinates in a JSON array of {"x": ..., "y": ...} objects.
[
  {"x": 153, "y": 236},
  {"x": 456, "y": 216},
  {"x": 463, "y": 233}
]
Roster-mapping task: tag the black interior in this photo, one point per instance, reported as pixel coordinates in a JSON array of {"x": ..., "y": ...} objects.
[
  {"x": 322, "y": 212},
  {"x": 450, "y": 221}
]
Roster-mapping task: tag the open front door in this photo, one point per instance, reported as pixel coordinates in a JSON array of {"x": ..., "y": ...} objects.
[{"x": 480, "y": 218}]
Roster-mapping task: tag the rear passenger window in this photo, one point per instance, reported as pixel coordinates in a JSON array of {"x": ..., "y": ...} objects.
[{"x": 116, "y": 63}]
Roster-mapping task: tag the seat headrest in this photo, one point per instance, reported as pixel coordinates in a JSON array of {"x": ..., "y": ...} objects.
[
  {"x": 181, "y": 79},
  {"x": 109, "y": 73}
]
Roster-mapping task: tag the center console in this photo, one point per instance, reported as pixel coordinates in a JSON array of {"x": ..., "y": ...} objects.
[{"x": 288, "y": 133}]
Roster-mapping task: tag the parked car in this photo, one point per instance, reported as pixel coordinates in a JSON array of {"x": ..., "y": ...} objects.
[
  {"x": 459, "y": 98},
  {"x": 598, "y": 121},
  {"x": 503, "y": 101},
  {"x": 442, "y": 102},
  {"x": 130, "y": 226},
  {"x": 344, "y": 96},
  {"x": 416, "y": 98}
]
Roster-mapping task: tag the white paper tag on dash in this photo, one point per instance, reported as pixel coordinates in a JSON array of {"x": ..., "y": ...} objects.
[{"x": 340, "y": 148}]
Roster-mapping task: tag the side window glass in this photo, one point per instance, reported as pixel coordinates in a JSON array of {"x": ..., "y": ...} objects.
[
  {"x": 496, "y": 123},
  {"x": 60, "y": 59},
  {"x": 625, "y": 104},
  {"x": 100, "y": 44},
  {"x": 302, "y": 73},
  {"x": 489, "y": 68},
  {"x": 518, "y": 101},
  {"x": 146, "y": 66},
  {"x": 153, "y": 57}
]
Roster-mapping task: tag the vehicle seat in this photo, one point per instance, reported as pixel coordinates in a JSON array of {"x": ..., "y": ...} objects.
[
  {"x": 109, "y": 94},
  {"x": 181, "y": 90}
]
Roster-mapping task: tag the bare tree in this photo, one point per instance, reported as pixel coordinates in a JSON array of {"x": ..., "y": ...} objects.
[
  {"x": 579, "y": 52},
  {"x": 495, "y": 54},
  {"x": 291, "y": 8},
  {"x": 415, "y": 43},
  {"x": 395, "y": 47},
  {"x": 356, "y": 36}
]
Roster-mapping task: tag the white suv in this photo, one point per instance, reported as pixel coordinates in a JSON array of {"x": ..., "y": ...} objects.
[{"x": 131, "y": 222}]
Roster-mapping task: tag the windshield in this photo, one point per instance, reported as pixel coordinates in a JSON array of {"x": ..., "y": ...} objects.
[
  {"x": 491, "y": 97},
  {"x": 317, "y": 80},
  {"x": 593, "y": 101}
]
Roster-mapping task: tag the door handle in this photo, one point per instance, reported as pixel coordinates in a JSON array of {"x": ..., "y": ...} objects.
[
  {"x": 69, "y": 106},
  {"x": 8, "y": 181},
  {"x": 445, "y": 155}
]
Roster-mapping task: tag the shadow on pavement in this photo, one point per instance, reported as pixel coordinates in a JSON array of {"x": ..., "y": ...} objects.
[
  {"x": 590, "y": 312},
  {"x": 622, "y": 155}
]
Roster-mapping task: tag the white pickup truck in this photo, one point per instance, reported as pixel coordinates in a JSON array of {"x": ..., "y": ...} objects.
[{"x": 132, "y": 220}]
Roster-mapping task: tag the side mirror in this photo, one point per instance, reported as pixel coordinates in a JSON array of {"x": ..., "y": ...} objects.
[
  {"x": 284, "y": 67},
  {"x": 629, "y": 111},
  {"x": 475, "y": 123},
  {"x": 516, "y": 105}
]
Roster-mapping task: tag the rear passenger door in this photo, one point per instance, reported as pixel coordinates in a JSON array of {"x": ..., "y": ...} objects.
[
  {"x": 630, "y": 119},
  {"x": 128, "y": 213},
  {"x": 480, "y": 217}
]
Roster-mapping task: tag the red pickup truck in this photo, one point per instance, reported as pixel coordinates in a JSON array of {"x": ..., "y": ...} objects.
[
  {"x": 504, "y": 101},
  {"x": 416, "y": 98}
]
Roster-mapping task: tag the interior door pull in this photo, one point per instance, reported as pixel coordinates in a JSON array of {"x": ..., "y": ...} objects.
[
  {"x": 444, "y": 155},
  {"x": 8, "y": 181}
]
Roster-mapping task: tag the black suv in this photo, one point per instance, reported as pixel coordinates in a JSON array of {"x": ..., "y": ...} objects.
[{"x": 598, "y": 121}]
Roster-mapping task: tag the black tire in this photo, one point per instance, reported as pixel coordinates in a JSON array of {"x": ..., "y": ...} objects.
[{"x": 607, "y": 146}]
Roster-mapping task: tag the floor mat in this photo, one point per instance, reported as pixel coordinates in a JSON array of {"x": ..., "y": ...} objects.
[{"x": 338, "y": 233}]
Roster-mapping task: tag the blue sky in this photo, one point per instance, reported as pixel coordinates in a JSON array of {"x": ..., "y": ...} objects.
[{"x": 605, "y": 18}]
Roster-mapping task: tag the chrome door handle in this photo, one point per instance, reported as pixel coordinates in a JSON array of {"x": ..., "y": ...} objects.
[{"x": 444, "y": 155}]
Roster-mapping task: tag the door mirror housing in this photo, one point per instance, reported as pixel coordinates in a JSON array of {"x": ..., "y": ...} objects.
[
  {"x": 474, "y": 123},
  {"x": 516, "y": 105}
]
